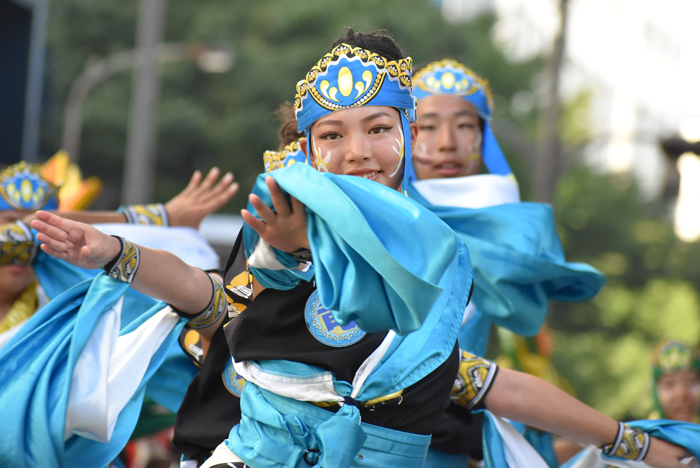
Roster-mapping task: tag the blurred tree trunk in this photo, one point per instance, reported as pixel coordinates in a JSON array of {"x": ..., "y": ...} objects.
[{"x": 548, "y": 161}]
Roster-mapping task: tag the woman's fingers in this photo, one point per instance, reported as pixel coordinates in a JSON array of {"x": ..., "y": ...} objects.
[
  {"x": 266, "y": 214},
  {"x": 209, "y": 180},
  {"x": 257, "y": 225},
  {"x": 55, "y": 244},
  {"x": 49, "y": 230},
  {"x": 194, "y": 181},
  {"x": 279, "y": 201},
  {"x": 60, "y": 254}
]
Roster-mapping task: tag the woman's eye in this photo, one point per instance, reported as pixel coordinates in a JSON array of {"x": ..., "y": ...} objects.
[
  {"x": 379, "y": 129},
  {"x": 330, "y": 136},
  {"x": 426, "y": 128},
  {"x": 467, "y": 125}
]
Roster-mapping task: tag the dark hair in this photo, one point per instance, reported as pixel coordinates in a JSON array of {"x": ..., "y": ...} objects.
[
  {"x": 379, "y": 42},
  {"x": 288, "y": 125}
]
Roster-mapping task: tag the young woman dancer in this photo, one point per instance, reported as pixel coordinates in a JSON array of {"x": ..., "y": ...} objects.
[{"x": 348, "y": 346}]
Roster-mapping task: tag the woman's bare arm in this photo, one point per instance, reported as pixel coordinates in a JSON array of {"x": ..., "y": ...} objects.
[
  {"x": 537, "y": 403},
  {"x": 160, "y": 274}
]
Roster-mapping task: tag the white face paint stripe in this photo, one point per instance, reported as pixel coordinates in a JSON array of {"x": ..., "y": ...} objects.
[
  {"x": 321, "y": 164},
  {"x": 399, "y": 152}
]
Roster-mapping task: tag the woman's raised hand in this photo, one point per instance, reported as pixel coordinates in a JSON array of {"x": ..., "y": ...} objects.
[
  {"x": 284, "y": 228},
  {"x": 77, "y": 243},
  {"x": 200, "y": 198}
]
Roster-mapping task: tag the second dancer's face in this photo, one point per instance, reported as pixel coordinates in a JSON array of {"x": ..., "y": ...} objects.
[
  {"x": 364, "y": 141},
  {"x": 449, "y": 141},
  {"x": 679, "y": 395}
]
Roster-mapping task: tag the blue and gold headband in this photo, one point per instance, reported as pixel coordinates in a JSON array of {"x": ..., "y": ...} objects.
[
  {"x": 290, "y": 154},
  {"x": 349, "y": 77},
  {"x": 450, "y": 78},
  {"x": 24, "y": 188}
]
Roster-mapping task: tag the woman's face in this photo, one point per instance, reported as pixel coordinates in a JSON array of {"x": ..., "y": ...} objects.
[
  {"x": 449, "y": 141},
  {"x": 364, "y": 141},
  {"x": 679, "y": 394}
]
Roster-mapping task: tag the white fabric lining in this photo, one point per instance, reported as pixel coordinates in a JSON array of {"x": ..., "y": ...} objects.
[
  {"x": 264, "y": 257},
  {"x": 518, "y": 451},
  {"x": 110, "y": 370},
  {"x": 477, "y": 191},
  {"x": 316, "y": 388}
]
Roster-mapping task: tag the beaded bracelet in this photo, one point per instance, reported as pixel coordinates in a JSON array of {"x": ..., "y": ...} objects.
[
  {"x": 217, "y": 306},
  {"x": 123, "y": 267},
  {"x": 630, "y": 444},
  {"x": 148, "y": 215}
]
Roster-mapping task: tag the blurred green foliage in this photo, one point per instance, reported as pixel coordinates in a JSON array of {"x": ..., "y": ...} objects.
[
  {"x": 603, "y": 346},
  {"x": 228, "y": 119}
]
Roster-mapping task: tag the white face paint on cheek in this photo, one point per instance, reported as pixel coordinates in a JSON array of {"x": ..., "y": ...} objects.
[
  {"x": 321, "y": 163},
  {"x": 399, "y": 151}
]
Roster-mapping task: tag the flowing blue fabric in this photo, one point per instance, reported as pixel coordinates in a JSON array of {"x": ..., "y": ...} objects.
[
  {"x": 474, "y": 335},
  {"x": 287, "y": 430},
  {"x": 383, "y": 274},
  {"x": 518, "y": 262},
  {"x": 407, "y": 272},
  {"x": 168, "y": 385},
  {"x": 35, "y": 376},
  {"x": 494, "y": 454}
]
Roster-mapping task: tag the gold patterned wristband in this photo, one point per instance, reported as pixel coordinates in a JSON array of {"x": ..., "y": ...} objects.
[
  {"x": 148, "y": 215},
  {"x": 473, "y": 380},
  {"x": 123, "y": 267},
  {"x": 630, "y": 444},
  {"x": 216, "y": 308}
]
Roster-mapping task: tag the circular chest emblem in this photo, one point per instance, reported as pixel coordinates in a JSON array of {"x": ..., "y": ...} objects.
[
  {"x": 233, "y": 382},
  {"x": 324, "y": 328}
]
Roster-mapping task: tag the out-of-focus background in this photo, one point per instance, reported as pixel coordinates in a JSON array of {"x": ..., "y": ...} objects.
[{"x": 597, "y": 109}]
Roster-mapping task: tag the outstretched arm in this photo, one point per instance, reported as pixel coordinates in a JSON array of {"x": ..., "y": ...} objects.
[
  {"x": 160, "y": 274},
  {"x": 532, "y": 401}
]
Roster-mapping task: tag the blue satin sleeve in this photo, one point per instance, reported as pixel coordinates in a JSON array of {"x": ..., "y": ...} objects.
[
  {"x": 518, "y": 262},
  {"x": 378, "y": 256}
]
